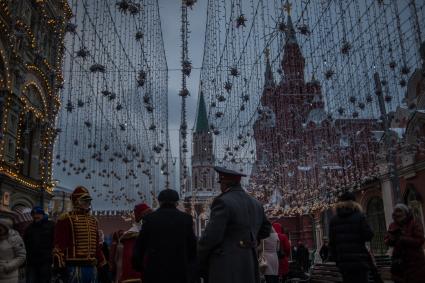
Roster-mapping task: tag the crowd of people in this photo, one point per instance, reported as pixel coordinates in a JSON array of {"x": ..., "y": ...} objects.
[{"x": 239, "y": 244}]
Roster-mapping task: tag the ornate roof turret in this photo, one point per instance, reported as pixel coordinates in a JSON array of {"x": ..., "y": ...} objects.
[{"x": 290, "y": 36}]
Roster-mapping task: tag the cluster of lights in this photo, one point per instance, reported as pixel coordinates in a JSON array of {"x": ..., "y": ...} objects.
[{"x": 15, "y": 176}]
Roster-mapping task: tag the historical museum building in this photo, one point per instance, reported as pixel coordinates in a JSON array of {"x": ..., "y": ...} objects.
[
  {"x": 313, "y": 156},
  {"x": 31, "y": 49}
]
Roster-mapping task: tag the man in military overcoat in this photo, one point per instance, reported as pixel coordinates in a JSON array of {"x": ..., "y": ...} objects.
[{"x": 227, "y": 249}]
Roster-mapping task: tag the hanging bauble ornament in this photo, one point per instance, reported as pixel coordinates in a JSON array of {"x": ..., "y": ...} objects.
[
  {"x": 134, "y": 8},
  {"x": 242, "y": 108},
  {"x": 340, "y": 110},
  {"x": 184, "y": 92},
  {"x": 362, "y": 105},
  {"x": 83, "y": 53},
  {"x": 221, "y": 98},
  {"x": 304, "y": 29},
  {"x": 403, "y": 83},
  {"x": 112, "y": 96},
  {"x": 369, "y": 99},
  {"x": 240, "y": 21},
  {"x": 190, "y": 3},
  {"x": 329, "y": 73},
  {"x": 355, "y": 114},
  {"x": 69, "y": 106},
  {"x": 228, "y": 86},
  {"x": 405, "y": 70},
  {"x": 234, "y": 72},
  {"x": 186, "y": 67},
  {"x": 213, "y": 104},
  {"x": 141, "y": 78},
  {"x": 353, "y": 99},
  {"x": 346, "y": 47},
  {"x": 123, "y": 6},
  {"x": 392, "y": 64},
  {"x": 219, "y": 114},
  {"x": 139, "y": 35}
]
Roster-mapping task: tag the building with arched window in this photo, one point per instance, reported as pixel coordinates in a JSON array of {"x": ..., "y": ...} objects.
[{"x": 31, "y": 49}]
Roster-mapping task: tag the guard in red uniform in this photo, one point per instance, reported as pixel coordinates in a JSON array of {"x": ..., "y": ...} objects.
[
  {"x": 77, "y": 252},
  {"x": 124, "y": 250}
]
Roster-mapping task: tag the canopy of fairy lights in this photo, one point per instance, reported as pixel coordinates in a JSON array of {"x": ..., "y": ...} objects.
[{"x": 112, "y": 129}]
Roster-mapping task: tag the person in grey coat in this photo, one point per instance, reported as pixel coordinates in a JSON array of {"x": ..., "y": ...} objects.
[
  {"x": 12, "y": 252},
  {"x": 227, "y": 250}
]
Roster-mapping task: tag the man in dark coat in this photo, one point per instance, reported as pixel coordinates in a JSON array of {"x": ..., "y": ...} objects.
[
  {"x": 303, "y": 256},
  {"x": 166, "y": 246},
  {"x": 228, "y": 246},
  {"x": 38, "y": 239},
  {"x": 348, "y": 233},
  {"x": 324, "y": 250}
]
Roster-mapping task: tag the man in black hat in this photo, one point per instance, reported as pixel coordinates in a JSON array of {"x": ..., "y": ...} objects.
[
  {"x": 166, "y": 247},
  {"x": 228, "y": 246},
  {"x": 348, "y": 233}
]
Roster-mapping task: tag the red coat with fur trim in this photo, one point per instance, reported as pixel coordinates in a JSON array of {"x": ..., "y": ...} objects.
[
  {"x": 285, "y": 249},
  {"x": 408, "y": 240},
  {"x": 124, "y": 252}
]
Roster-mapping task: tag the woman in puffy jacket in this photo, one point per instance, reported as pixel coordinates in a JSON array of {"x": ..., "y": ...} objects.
[
  {"x": 406, "y": 236},
  {"x": 12, "y": 252}
]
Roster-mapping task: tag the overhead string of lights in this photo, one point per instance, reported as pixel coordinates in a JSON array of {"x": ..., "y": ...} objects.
[{"x": 113, "y": 133}]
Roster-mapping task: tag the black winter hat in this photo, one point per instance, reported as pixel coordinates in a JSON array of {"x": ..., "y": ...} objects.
[
  {"x": 347, "y": 196},
  {"x": 168, "y": 195}
]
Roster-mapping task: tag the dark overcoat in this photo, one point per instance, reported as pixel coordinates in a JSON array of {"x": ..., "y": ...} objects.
[
  {"x": 227, "y": 248},
  {"x": 38, "y": 239},
  {"x": 165, "y": 249},
  {"x": 348, "y": 234}
]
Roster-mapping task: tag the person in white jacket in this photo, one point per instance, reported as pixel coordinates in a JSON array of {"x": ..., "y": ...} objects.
[
  {"x": 12, "y": 252},
  {"x": 269, "y": 249}
]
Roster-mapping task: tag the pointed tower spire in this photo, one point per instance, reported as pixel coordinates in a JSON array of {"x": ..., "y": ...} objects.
[
  {"x": 201, "y": 117},
  {"x": 290, "y": 36},
  {"x": 268, "y": 74},
  {"x": 293, "y": 62}
]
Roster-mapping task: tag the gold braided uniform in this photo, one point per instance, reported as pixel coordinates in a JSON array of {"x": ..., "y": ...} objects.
[{"x": 77, "y": 240}]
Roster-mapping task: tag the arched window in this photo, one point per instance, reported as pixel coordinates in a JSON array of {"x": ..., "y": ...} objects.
[
  {"x": 29, "y": 139},
  {"x": 376, "y": 218},
  {"x": 414, "y": 202}
]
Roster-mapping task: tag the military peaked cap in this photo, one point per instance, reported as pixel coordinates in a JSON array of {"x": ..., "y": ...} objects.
[{"x": 225, "y": 171}]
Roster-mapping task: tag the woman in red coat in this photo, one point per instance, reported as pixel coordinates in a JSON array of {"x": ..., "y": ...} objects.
[
  {"x": 285, "y": 250},
  {"x": 406, "y": 235}
]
